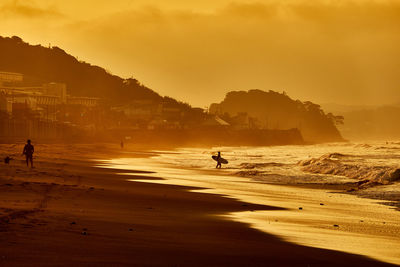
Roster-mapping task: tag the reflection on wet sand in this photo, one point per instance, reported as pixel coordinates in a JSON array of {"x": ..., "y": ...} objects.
[{"x": 313, "y": 217}]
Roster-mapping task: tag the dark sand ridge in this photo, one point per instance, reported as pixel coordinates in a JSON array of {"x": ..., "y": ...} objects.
[{"x": 65, "y": 211}]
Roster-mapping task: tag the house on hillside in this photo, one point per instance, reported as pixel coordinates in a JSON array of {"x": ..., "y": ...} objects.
[
  {"x": 215, "y": 122},
  {"x": 83, "y": 101},
  {"x": 140, "y": 110},
  {"x": 172, "y": 113},
  {"x": 5, "y": 104},
  {"x": 242, "y": 121},
  {"x": 10, "y": 77}
]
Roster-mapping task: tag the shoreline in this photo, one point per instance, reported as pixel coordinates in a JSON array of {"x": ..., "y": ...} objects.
[
  {"x": 68, "y": 211},
  {"x": 333, "y": 219}
]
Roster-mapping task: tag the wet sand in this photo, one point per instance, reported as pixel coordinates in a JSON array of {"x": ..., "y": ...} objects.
[
  {"x": 318, "y": 215},
  {"x": 67, "y": 212}
]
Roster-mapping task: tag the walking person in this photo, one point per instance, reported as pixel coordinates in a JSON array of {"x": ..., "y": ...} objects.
[
  {"x": 220, "y": 160},
  {"x": 7, "y": 160},
  {"x": 28, "y": 152}
]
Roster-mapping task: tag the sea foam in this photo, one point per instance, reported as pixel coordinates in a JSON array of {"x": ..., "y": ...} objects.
[{"x": 335, "y": 164}]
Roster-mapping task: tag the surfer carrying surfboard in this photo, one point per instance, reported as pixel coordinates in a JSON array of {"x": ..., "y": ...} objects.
[{"x": 220, "y": 160}]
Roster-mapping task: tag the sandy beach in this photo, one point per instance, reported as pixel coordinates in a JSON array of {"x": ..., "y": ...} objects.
[
  {"x": 66, "y": 211},
  {"x": 320, "y": 213}
]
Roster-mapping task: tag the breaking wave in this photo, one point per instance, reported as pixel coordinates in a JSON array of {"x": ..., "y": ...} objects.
[
  {"x": 247, "y": 165},
  {"x": 334, "y": 164}
]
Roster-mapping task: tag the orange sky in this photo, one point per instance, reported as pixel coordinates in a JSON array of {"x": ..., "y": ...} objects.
[{"x": 325, "y": 51}]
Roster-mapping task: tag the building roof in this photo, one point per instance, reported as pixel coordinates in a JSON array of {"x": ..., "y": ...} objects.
[
  {"x": 216, "y": 121},
  {"x": 10, "y": 76}
]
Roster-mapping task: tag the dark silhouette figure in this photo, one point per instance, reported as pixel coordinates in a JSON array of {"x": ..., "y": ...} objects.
[
  {"x": 218, "y": 160},
  {"x": 28, "y": 152},
  {"x": 122, "y": 144},
  {"x": 7, "y": 160}
]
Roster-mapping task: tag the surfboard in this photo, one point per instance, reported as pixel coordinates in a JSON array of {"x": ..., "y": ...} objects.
[{"x": 222, "y": 160}]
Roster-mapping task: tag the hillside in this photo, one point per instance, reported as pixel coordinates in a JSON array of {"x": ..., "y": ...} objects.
[
  {"x": 41, "y": 64},
  {"x": 274, "y": 110}
]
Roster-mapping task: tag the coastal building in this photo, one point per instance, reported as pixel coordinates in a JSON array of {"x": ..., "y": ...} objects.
[
  {"x": 215, "y": 122},
  {"x": 5, "y": 104},
  {"x": 44, "y": 101},
  {"x": 171, "y": 113},
  {"x": 56, "y": 89},
  {"x": 10, "y": 77},
  {"x": 140, "y": 110},
  {"x": 82, "y": 101}
]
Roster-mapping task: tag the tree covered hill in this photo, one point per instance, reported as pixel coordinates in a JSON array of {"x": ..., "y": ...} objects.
[
  {"x": 275, "y": 110},
  {"x": 41, "y": 64}
]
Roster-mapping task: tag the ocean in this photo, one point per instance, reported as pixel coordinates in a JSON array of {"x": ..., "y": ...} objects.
[{"x": 340, "y": 196}]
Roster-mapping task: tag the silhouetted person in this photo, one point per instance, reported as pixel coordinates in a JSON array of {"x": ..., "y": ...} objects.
[
  {"x": 7, "y": 160},
  {"x": 218, "y": 160},
  {"x": 28, "y": 152},
  {"x": 122, "y": 144}
]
